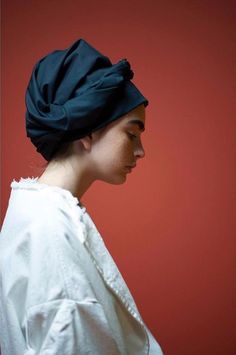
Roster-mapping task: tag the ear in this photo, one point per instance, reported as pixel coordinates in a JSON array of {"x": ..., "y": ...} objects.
[{"x": 86, "y": 141}]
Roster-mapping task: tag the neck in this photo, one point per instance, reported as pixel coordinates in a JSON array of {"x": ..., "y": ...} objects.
[{"x": 70, "y": 175}]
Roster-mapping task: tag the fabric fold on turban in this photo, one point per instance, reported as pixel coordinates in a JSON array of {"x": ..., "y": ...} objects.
[{"x": 74, "y": 92}]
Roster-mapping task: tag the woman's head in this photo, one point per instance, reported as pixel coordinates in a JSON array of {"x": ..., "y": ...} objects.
[{"x": 75, "y": 92}]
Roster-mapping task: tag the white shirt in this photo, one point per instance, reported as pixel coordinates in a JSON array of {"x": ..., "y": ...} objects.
[{"x": 61, "y": 292}]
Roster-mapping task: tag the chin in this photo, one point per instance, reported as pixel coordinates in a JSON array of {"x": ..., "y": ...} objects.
[{"x": 118, "y": 180}]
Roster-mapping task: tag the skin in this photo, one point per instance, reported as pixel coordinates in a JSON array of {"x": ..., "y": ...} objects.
[{"x": 103, "y": 155}]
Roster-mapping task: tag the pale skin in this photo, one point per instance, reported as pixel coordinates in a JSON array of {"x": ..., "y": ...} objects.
[{"x": 107, "y": 155}]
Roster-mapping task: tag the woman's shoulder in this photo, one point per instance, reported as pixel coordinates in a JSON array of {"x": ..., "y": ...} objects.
[
  {"x": 37, "y": 204},
  {"x": 32, "y": 188},
  {"x": 38, "y": 216}
]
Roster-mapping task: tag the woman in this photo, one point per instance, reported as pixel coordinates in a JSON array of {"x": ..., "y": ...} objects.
[{"x": 61, "y": 292}]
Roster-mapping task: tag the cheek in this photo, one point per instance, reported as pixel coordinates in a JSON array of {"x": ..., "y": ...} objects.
[
  {"x": 115, "y": 152},
  {"x": 122, "y": 151}
]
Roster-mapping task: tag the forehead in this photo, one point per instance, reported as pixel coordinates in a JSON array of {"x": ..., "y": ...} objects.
[{"x": 135, "y": 117}]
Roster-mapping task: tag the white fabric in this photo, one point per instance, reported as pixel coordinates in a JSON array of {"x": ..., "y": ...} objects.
[{"x": 61, "y": 292}]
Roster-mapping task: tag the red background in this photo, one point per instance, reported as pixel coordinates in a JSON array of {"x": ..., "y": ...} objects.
[{"x": 171, "y": 226}]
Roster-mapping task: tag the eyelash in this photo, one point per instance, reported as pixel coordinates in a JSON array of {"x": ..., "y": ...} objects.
[{"x": 132, "y": 136}]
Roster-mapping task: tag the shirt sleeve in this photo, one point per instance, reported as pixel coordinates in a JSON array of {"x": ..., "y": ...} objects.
[{"x": 69, "y": 327}]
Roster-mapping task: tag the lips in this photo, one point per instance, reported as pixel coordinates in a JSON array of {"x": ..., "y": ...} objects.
[{"x": 130, "y": 167}]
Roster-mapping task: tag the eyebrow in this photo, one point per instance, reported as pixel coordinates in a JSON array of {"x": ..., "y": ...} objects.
[{"x": 139, "y": 123}]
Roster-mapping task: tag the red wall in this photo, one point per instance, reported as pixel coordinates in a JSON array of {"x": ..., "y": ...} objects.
[{"x": 171, "y": 227}]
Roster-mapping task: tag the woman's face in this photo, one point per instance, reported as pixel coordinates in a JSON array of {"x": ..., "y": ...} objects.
[{"x": 117, "y": 147}]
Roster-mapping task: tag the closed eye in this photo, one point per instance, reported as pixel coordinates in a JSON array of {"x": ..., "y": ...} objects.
[{"x": 132, "y": 136}]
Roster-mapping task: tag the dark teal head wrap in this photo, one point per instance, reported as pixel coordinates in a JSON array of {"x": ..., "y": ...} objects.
[{"x": 74, "y": 92}]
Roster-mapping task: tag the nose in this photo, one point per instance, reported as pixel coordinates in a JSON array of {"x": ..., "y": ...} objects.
[{"x": 140, "y": 152}]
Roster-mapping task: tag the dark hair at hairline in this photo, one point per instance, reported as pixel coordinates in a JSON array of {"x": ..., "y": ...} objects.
[{"x": 62, "y": 152}]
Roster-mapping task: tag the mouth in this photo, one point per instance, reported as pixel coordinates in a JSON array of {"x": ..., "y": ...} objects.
[{"x": 130, "y": 167}]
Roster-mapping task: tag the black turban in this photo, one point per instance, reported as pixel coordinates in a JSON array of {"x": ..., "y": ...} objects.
[{"x": 74, "y": 92}]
